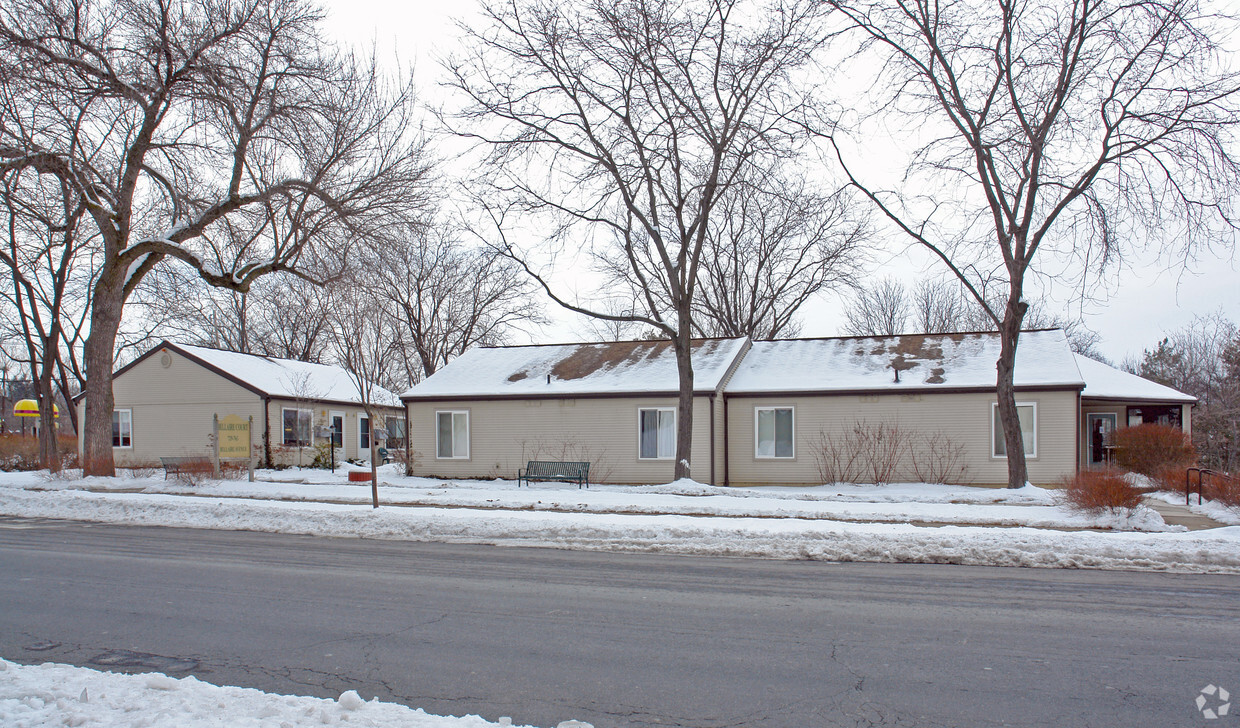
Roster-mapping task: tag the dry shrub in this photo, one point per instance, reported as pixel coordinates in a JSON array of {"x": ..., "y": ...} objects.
[
  {"x": 1095, "y": 491},
  {"x": 1223, "y": 488},
  {"x": 862, "y": 453},
  {"x": 195, "y": 472},
  {"x": 18, "y": 452},
  {"x": 144, "y": 470},
  {"x": 1149, "y": 449},
  {"x": 1169, "y": 477},
  {"x": 838, "y": 458},
  {"x": 886, "y": 452},
  {"x": 936, "y": 458}
]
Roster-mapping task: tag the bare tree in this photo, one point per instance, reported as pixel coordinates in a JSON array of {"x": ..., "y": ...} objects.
[
  {"x": 1064, "y": 129},
  {"x": 944, "y": 307},
  {"x": 619, "y": 127},
  {"x": 941, "y": 306},
  {"x": 447, "y": 297},
  {"x": 281, "y": 315},
  {"x": 1203, "y": 359},
  {"x": 881, "y": 309},
  {"x": 43, "y": 252},
  {"x": 224, "y": 134},
  {"x": 770, "y": 252},
  {"x": 364, "y": 341}
]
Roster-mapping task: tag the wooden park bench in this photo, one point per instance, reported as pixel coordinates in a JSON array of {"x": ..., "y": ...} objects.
[
  {"x": 188, "y": 464},
  {"x": 546, "y": 470}
]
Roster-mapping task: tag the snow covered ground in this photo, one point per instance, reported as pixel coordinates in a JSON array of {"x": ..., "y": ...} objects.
[
  {"x": 918, "y": 503},
  {"x": 60, "y": 695},
  {"x": 894, "y": 523}
]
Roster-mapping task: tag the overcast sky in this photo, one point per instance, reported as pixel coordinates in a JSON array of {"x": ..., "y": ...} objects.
[{"x": 1152, "y": 298}]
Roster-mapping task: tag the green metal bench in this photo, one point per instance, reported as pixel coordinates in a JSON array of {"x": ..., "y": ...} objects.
[{"x": 547, "y": 471}]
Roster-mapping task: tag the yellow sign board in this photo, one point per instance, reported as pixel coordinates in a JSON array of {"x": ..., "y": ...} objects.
[{"x": 234, "y": 438}]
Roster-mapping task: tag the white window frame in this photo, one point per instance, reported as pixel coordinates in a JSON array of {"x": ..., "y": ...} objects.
[
  {"x": 773, "y": 408},
  {"x": 283, "y": 436},
  {"x": 994, "y": 430},
  {"x": 129, "y": 412},
  {"x": 368, "y": 433},
  {"x": 675, "y": 424},
  {"x": 468, "y": 435}
]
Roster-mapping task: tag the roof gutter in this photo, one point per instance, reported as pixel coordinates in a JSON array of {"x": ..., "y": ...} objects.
[
  {"x": 726, "y": 480},
  {"x": 891, "y": 391},
  {"x": 712, "y": 437},
  {"x": 410, "y": 399}
]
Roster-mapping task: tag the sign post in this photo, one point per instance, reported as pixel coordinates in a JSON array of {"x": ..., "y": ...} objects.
[
  {"x": 215, "y": 446},
  {"x": 249, "y": 432}
]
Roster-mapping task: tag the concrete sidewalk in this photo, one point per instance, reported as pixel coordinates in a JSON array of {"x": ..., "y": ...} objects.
[{"x": 1179, "y": 515}]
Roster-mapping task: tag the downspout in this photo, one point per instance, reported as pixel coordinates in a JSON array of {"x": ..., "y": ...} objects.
[
  {"x": 1080, "y": 423},
  {"x": 408, "y": 439},
  {"x": 712, "y": 438},
  {"x": 727, "y": 482},
  {"x": 267, "y": 430}
]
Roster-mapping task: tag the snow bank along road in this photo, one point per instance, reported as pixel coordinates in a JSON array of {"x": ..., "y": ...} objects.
[
  {"x": 61, "y": 695},
  {"x": 861, "y": 524},
  {"x": 620, "y": 639}
]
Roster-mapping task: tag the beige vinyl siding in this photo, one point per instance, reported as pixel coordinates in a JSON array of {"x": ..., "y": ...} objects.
[
  {"x": 965, "y": 418},
  {"x": 173, "y": 408},
  {"x": 720, "y": 433},
  {"x": 505, "y": 434}
]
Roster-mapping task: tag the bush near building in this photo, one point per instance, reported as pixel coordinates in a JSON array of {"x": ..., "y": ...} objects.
[
  {"x": 1093, "y": 491},
  {"x": 1153, "y": 449}
]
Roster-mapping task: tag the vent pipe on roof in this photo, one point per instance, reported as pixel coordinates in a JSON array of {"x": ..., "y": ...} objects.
[
  {"x": 897, "y": 370},
  {"x": 548, "y": 379}
]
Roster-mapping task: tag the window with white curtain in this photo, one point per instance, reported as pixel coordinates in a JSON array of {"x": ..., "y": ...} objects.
[
  {"x": 774, "y": 432},
  {"x": 452, "y": 435},
  {"x": 656, "y": 433}
]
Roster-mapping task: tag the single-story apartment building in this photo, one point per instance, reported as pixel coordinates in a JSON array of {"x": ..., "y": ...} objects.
[
  {"x": 167, "y": 398},
  {"x": 492, "y": 409},
  {"x": 797, "y": 411}
]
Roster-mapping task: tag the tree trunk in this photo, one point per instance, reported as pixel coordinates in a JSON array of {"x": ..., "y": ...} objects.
[
  {"x": 1009, "y": 418},
  {"x": 374, "y": 461},
  {"x": 105, "y": 321},
  {"x": 49, "y": 451},
  {"x": 684, "y": 411}
]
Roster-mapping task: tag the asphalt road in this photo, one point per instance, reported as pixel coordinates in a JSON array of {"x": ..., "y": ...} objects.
[{"x": 622, "y": 639}]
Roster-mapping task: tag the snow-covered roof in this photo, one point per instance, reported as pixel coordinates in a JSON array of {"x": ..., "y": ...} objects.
[
  {"x": 1106, "y": 382},
  {"x": 618, "y": 367},
  {"x": 924, "y": 361},
  {"x": 285, "y": 377}
]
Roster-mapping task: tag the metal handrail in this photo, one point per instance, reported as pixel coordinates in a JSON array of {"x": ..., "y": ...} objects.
[{"x": 1201, "y": 473}]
